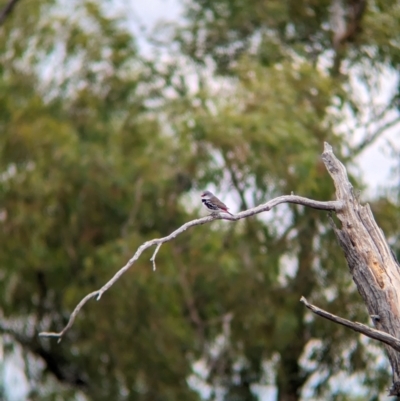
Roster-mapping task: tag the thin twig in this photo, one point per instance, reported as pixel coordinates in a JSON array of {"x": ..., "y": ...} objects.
[
  {"x": 153, "y": 258},
  {"x": 359, "y": 327},
  {"x": 329, "y": 205}
]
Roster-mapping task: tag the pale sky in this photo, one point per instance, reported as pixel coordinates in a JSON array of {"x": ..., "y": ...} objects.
[
  {"x": 374, "y": 163},
  {"x": 152, "y": 11}
]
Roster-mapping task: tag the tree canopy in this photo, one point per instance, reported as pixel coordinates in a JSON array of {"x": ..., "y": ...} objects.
[{"x": 103, "y": 147}]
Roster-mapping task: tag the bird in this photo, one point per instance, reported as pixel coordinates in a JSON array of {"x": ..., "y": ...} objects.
[{"x": 210, "y": 201}]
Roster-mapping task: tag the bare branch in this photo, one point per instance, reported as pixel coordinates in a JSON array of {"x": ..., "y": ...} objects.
[
  {"x": 7, "y": 10},
  {"x": 359, "y": 327},
  {"x": 153, "y": 258},
  {"x": 371, "y": 263},
  {"x": 329, "y": 205}
]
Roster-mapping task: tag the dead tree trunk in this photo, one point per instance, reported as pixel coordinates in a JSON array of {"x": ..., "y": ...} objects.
[{"x": 372, "y": 265}]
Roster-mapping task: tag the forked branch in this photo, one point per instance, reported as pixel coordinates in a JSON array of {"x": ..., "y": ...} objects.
[
  {"x": 372, "y": 265},
  {"x": 329, "y": 206},
  {"x": 370, "y": 259}
]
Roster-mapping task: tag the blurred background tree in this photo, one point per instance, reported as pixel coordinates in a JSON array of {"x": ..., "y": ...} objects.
[{"x": 103, "y": 147}]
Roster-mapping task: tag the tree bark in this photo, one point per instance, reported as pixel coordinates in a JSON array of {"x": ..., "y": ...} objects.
[{"x": 372, "y": 265}]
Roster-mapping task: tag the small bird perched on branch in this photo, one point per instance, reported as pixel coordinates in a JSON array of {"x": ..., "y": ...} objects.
[{"x": 210, "y": 201}]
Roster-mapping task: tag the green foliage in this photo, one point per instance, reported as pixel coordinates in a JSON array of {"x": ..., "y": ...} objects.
[
  {"x": 95, "y": 160},
  {"x": 275, "y": 30},
  {"x": 225, "y": 30}
]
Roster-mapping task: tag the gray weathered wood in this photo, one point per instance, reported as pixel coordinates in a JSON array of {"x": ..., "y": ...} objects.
[
  {"x": 371, "y": 262},
  {"x": 359, "y": 327}
]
